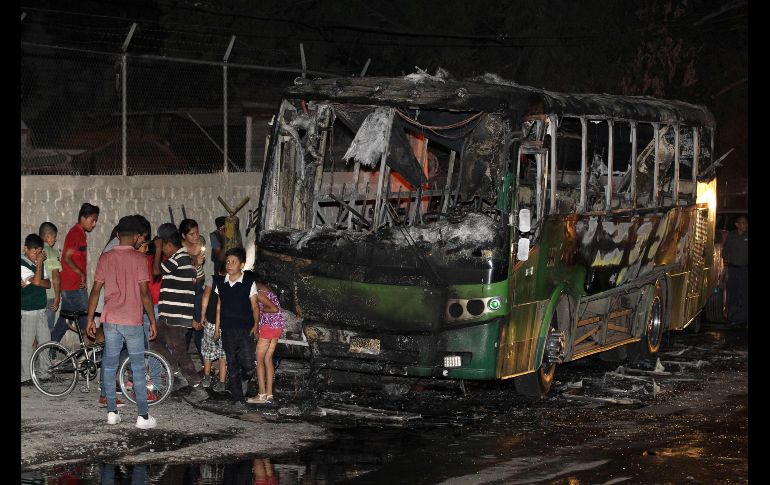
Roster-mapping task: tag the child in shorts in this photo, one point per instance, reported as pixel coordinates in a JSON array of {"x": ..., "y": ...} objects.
[
  {"x": 211, "y": 349},
  {"x": 238, "y": 317},
  {"x": 271, "y": 325}
]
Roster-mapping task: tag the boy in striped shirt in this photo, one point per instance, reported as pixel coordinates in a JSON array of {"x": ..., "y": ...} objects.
[{"x": 175, "y": 306}]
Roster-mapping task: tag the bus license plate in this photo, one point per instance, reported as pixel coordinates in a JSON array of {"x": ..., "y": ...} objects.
[{"x": 362, "y": 345}]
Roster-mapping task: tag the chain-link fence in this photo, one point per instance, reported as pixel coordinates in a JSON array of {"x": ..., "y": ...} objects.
[{"x": 89, "y": 109}]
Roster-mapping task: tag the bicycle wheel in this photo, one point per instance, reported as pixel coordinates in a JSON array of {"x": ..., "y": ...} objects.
[
  {"x": 54, "y": 371},
  {"x": 157, "y": 374}
]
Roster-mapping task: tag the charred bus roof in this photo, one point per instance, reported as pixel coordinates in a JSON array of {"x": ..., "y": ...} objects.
[{"x": 491, "y": 93}]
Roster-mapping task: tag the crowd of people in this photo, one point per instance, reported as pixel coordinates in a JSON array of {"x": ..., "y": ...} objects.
[{"x": 154, "y": 292}]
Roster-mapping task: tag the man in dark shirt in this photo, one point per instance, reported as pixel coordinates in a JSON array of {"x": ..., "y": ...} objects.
[
  {"x": 219, "y": 245},
  {"x": 735, "y": 254}
]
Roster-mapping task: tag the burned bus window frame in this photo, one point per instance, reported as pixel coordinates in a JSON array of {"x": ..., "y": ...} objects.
[
  {"x": 569, "y": 163},
  {"x": 687, "y": 155},
  {"x": 597, "y": 195},
  {"x": 642, "y": 176},
  {"x": 532, "y": 176},
  {"x": 622, "y": 164},
  {"x": 331, "y": 190},
  {"x": 400, "y": 292}
]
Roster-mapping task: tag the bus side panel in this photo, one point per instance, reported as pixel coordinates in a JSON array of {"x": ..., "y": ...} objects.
[
  {"x": 677, "y": 289},
  {"x": 519, "y": 339}
]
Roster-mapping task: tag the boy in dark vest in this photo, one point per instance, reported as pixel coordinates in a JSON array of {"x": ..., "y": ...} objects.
[
  {"x": 237, "y": 321},
  {"x": 34, "y": 318}
]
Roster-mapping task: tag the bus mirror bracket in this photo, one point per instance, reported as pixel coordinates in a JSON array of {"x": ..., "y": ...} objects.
[
  {"x": 524, "y": 221},
  {"x": 522, "y": 250}
]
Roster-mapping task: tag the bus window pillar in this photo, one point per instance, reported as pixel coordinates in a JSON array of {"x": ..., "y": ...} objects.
[
  {"x": 677, "y": 158},
  {"x": 552, "y": 128},
  {"x": 695, "y": 161},
  {"x": 655, "y": 178},
  {"x": 610, "y": 160},
  {"x": 583, "y": 163},
  {"x": 634, "y": 154}
]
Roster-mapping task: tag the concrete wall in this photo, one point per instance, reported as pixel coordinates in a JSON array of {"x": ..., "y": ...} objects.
[{"x": 58, "y": 198}]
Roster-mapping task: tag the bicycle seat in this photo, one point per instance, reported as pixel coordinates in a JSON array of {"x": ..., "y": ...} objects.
[{"x": 70, "y": 315}]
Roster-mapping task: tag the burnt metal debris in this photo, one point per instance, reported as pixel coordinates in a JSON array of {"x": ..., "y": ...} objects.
[{"x": 388, "y": 203}]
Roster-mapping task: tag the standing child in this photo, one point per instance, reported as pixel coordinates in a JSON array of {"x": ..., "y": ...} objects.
[
  {"x": 271, "y": 325},
  {"x": 211, "y": 349},
  {"x": 49, "y": 233},
  {"x": 34, "y": 321},
  {"x": 237, "y": 320}
]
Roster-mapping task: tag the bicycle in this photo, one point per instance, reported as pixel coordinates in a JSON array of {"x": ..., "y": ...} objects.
[{"x": 56, "y": 370}]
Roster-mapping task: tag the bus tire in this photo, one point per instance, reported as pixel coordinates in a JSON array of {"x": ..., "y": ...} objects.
[
  {"x": 649, "y": 345},
  {"x": 536, "y": 384}
]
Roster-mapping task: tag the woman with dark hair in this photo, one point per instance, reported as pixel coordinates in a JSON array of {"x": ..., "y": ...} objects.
[{"x": 195, "y": 245}]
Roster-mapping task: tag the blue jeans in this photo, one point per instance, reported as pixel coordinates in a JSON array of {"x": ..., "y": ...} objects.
[
  {"x": 71, "y": 301},
  {"x": 155, "y": 367},
  {"x": 133, "y": 336}
]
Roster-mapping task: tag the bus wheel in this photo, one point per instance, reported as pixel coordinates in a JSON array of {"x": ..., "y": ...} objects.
[
  {"x": 649, "y": 345},
  {"x": 538, "y": 383}
]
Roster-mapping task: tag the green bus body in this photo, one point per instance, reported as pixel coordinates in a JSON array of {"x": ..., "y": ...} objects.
[{"x": 403, "y": 283}]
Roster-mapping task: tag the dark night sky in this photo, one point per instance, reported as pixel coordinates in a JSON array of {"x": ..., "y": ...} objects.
[{"x": 696, "y": 51}]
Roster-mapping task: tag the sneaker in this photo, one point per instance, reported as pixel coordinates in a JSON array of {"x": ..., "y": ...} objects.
[
  {"x": 269, "y": 399},
  {"x": 148, "y": 423},
  {"x": 103, "y": 402},
  {"x": 258, "y": 399},
  {"x": 151, "y": 396},
  {"x": 180, "y": 382},
  {"x": 206, "y": 381},
  {"x": 219, "y": 387},
  {"x": 239, "y": 406},
  {"x": 113, "y": 418},
  {"x": 197, "y": 395}
]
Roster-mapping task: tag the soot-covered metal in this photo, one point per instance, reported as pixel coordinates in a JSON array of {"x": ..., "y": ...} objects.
[{"x": 385, "y": 198}]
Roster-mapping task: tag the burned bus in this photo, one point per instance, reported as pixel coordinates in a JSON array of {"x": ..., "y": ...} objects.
[{"x": 427, "y": 227}]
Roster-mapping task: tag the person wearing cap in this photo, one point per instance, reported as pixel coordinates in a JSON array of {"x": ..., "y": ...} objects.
[
  {"x": 176, "y": 303},
  {"x": 123, "y": 274},
  {"x": 217, "y": 240}
]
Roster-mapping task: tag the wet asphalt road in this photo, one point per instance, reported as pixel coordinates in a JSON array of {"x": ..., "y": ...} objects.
[{"x": 602, "y": 423}]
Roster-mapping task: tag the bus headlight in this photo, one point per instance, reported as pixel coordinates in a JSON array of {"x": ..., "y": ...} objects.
[
  {"x": 471, "y": 308},
  {"x": 451, "y": 361}
]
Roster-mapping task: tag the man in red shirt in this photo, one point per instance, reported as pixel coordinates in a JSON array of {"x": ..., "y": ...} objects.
[{"x": 74, "y": 295}]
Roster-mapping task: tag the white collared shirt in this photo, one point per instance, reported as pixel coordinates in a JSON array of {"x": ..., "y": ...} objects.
[{"x": 252, "y": 292}]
